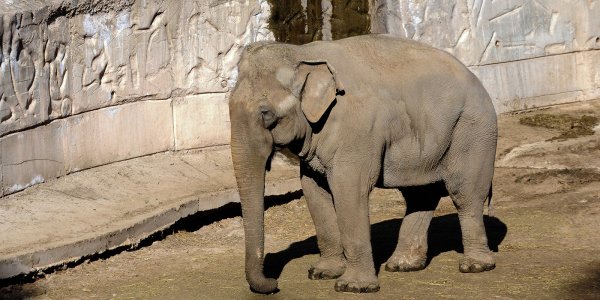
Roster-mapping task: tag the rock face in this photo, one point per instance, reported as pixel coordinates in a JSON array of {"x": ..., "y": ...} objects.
[
  {"x": 85, "y": 83},
  {"x": 481, "y": 32},
  {"x": 526, "y": 52},
  {"x": 89, "y": 82},
  {"x": 64, "y": 59}
]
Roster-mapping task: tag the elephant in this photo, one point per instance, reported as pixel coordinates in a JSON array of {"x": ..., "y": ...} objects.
[{"x": 363, "y": 112}]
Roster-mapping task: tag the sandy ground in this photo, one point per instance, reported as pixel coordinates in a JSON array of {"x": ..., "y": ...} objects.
[{"x": 544, "y": 230}]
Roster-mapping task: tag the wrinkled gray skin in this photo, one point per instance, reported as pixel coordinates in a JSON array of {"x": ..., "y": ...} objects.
[{"x": 362, "y": 112}]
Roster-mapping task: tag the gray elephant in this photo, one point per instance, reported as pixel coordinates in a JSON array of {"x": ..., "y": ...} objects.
[{"x": 363, "y": 112}]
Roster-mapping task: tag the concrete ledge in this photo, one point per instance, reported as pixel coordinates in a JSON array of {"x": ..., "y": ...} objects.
[
  {"x": 201, "y": 121},
  {"x": 31, "y": 157},
  {"x": 117, "y": 133},
  {"x": 84, "y": 141},
  {"x": 117, "y": 205}
]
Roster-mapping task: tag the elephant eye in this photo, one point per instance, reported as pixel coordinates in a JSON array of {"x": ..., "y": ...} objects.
[{"x": 268, "y": 117}]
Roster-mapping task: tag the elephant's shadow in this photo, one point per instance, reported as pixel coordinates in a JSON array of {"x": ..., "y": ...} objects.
[{"x": 444, "y": 235}]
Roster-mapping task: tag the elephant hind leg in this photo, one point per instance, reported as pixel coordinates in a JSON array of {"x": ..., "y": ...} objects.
[
  {"x": 477, "y": 255},
  {"x": 411, "y": 250},
  {"x": 470, "y": 168}
]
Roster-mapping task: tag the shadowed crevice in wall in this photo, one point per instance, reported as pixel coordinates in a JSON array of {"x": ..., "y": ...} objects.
[
  {"x": 292, "y": 22},
  {"x": 350, "y": 18},
  {"x": 444, "y": 236},
  {"x": 72, "y": 8}
]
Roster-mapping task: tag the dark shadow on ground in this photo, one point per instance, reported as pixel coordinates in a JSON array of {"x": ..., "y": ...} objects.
[
  {"x": 444, "y": 236},
  {"x": 18, "y": 292},
  {"x": 588, "y": 287},
  {"x": 198, "y": 220}
]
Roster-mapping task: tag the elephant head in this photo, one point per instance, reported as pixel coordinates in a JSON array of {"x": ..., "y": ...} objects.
[{"x": 277, "y": 97}]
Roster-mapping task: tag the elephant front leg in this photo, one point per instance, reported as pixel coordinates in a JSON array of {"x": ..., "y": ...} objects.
[
  {"x": 332, "y": 263},
  {"x": 351, "y": 194},
  {"x": 411, "y": 251}
]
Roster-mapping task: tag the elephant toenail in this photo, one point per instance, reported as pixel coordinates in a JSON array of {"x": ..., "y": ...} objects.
[
  {"x": 341, "y": 286},
  {"x": 390, "y": 267}
]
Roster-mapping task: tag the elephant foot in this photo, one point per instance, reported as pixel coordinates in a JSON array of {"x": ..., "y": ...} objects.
[
  {"x": 327, "y": 268},
  {"x": 482, "y": 263},
  {"x": 406, "y": 263},
  {"x": 354, "y": 282}
]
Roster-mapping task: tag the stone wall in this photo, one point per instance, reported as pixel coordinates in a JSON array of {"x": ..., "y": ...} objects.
[
  {"x": 86, "y": 83},
  {"x": 526, "y": 52},
  {"x": 89, "y": 82}
]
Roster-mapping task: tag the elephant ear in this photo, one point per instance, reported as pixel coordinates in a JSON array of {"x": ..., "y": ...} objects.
[{"x": 316, "y": 87}]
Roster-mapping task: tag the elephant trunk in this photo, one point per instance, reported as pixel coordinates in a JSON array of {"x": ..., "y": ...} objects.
[{"x": 249, "y": 162}]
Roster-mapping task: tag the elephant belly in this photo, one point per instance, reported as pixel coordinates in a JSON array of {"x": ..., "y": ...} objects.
[
  {"x": 400, "y": 177},
  {"x": 403, "y": 166}
]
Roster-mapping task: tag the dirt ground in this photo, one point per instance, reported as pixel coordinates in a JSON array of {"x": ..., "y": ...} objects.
[{"x": 545, "y": 230}]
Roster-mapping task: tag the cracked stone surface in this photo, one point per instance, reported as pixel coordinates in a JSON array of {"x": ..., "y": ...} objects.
[
  {"x": 481, "y": 32},
  {"x": 526, "y": 53},
  {"x": 73, "y": 73},
  {"x": 59, "y": 58}
]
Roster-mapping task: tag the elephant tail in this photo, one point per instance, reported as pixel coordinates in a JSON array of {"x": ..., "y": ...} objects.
[{"x": 490, "y": 207}]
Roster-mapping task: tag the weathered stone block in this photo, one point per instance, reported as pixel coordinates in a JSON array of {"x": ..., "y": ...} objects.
[
  {"x": 32, "y": 156},
  {"x": 21, "y": 56},
  {"x": 201, "y": 121},
  {"x": 59, "y": 58},
  {"x": 588, "y": 65},
  {"x": 118, "y": 56},
  {"x": 540, "y": 81},
  {"x": 482, "y": 32},
  {"x": 211, "y": 40},
  {"x": 1, "y": 171},
  {"x": 64, "y": 58},
  {"x": 117, "y": 133},
  {"x": 12, "y": 6}
]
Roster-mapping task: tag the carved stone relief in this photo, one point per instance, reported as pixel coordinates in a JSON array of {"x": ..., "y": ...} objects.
[
  {"x": 481, "y": 32},
  {"x": 62, "y": 60},
  {"x": 21, "y": 72},
  {"x": 56, "y": 56},
  {"x": 212, "y": 35}
]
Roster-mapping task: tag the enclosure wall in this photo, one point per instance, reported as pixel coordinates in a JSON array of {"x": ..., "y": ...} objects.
[{"x": 90, "y": 82}]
